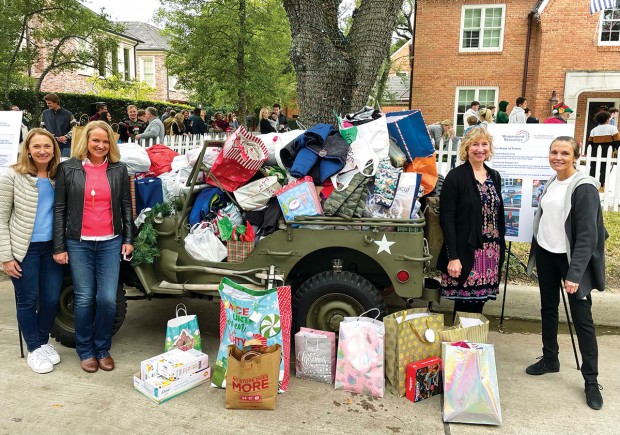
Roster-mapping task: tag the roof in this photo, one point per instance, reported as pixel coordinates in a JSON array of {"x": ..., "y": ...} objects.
[
  {"x": 397, "y": 87},
  {"x": 152, "y": 37}
]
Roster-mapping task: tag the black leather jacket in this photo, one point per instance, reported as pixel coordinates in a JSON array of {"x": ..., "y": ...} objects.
[{"x": 69, "y": 202}]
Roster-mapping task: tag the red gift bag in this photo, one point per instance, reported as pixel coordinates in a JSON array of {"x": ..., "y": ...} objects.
[{"x": 242, "y": 156}]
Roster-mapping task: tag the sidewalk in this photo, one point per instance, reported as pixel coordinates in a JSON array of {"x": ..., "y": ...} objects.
[{"x": 70, "y": 401}]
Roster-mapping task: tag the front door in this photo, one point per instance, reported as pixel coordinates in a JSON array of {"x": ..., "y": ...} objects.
[{"x": 593, "y": 109}]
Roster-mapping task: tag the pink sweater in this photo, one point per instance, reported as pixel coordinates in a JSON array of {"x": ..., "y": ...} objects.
[{"x": 97, "y": 218}]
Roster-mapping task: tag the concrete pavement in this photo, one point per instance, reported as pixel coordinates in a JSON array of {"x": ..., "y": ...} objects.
[{"x": 70, "y": 401}]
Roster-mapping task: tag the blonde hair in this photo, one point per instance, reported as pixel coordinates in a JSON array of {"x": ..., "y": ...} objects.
[
  {"x": 179, "y": 119},
  {"x": 485, "y": 115},
  {"x": 80, "y": 150},
  {"x": 446, "y": 122},
  {"x": 474, "y": 134},
  {"x": 25, "y": 164},
  {"x": 264, "y": 113}
]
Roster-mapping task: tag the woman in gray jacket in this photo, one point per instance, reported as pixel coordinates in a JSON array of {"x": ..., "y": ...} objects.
[
  {"x": 26, "y": 216},
  {"x": 573, "y": 253}
]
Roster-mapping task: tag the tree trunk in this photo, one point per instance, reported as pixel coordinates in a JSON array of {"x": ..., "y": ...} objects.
[
  {"x": 337, "y": 72},
  {"x": 242, "y": 104}
]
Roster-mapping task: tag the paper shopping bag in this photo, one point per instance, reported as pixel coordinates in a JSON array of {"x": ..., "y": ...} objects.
[
  {"x": 359, "y": 365},
  {"x": 183, "y": 332},
  {"x": 252, "y": 377},
  {"x": 256, "y": 194},
  {"x": 472, "y": 327},
  {"x": 470, "y": 388},
  {"x": 410, "y": 335},
  {"x": 315, "y": 355}
]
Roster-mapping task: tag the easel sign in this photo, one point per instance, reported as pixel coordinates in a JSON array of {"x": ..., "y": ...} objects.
[
  {"x": 522, "y": 158},
  {"x": 10, "y": 128}
]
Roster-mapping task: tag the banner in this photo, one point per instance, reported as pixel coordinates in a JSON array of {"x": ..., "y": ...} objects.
[
  {"x": 522, "y": 158},
  {"x": 10, "y": 128}
]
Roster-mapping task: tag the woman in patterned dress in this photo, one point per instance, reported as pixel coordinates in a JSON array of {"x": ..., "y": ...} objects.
[{"x": 472, "y": 220}]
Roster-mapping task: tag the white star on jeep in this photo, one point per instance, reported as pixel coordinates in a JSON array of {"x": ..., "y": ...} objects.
[{"x": 384, "y": 245}]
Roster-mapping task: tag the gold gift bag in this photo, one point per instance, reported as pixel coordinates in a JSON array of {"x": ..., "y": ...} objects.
[
  {"x": 410, "y": 335},
  {"x": 473, "y": 334}
]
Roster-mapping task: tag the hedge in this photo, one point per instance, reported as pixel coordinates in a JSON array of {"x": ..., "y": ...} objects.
[{"x": 79, "y": 104}]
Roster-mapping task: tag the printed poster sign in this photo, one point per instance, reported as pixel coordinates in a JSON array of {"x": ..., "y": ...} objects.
[
  {"x": 10, "y": 128},
  {"x": 522, "y": 158}
]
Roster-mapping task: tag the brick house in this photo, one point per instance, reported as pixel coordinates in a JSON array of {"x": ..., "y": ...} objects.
[
  {"x": 493, "y": 50},
  {"x": 399, "y": 80}
]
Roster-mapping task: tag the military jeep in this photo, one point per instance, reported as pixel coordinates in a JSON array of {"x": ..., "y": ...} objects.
[{"x": 335, "y": 267}]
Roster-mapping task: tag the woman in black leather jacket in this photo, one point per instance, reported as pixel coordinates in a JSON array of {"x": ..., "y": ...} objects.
[{"x": 92, "y": 228}]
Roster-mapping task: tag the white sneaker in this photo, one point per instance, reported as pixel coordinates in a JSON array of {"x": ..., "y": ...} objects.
[
  {"x": 51, "y": 354},
  {"x": 38, "y": 362}
]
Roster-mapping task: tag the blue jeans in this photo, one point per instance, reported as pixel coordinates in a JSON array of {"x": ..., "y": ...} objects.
[
  {"x": 95, "y": 267},
  {"x": 39, "y": 286},
  {"x": 65, "y": 151}
]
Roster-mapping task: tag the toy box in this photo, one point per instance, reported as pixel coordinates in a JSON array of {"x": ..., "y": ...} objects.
[{"x": 423, "y": 379}]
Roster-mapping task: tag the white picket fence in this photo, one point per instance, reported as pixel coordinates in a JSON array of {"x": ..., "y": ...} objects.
[
  {"x": 610, "y": 198},
  {"x": 181, "y": 144}
]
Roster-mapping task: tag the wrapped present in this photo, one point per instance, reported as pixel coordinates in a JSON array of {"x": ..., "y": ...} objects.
[
  {"x": 238, "y": 250},
  {"x": 424, "y": 379},
  {"x": 299, "y": 198}
]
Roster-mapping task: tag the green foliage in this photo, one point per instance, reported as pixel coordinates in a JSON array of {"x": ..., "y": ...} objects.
[
  {"x": 211, "y": 54},
  {"x": 145, "y": 244},
  {"x": 79, "y": 104},
  {"x": 116, "y": 87}
]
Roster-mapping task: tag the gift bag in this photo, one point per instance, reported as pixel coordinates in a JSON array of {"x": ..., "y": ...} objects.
[
  {"x": 427, "y": 166},
  {"x": 149, "y": 192},
  {"x": 239, "y": 250},
  {"x": 470, "y": 388},
  {"x": 241, "y": 157},
  {"x": 359, "y": 365},
  {"x": 472, "y": 327},
  {"x": 299, "y": 198},
  {"x": 406, "y": 195},
  {"x": 161, "y": 157},
  {"x": 245, "y": 314},
  {"x": 252, "y": 377},
  {"x": 255, "y": 195},
  {"x": 202, "y": 244},
  {"x": 183, "y": 332},
  {"x": 408, "y": 130},
  {"x": 386, "y": 183},
  {"x": 315, "y": 355},
  {"x": 374, "y": 132},
  {"x": 410, "y": 335}
]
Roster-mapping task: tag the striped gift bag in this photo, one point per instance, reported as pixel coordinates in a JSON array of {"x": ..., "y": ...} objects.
[
  {"x": 242, "y": 156},
  {"x": 132, "y": 191}
]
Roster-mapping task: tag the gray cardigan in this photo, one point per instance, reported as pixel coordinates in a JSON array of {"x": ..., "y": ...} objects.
[
  {"x": 155, "y": 130},
  {"x": 585, "y": 234}
]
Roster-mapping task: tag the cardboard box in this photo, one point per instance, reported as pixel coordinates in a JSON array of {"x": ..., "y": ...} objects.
[
  {"x": 159, "y": 389},
  {"x": 148, "y": 367},
  {"x": 182, "y": 363},
  {"x": 424, "y": 379}
]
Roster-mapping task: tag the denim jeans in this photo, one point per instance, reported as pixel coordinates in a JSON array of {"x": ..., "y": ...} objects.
[
  {"x": 65, "y": 151},
  {"x": 39, "y": 286},
  {"x": 95, "y": 267}
]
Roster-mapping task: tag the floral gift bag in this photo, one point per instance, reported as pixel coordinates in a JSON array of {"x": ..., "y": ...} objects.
[{"x": 360, "y": 357}]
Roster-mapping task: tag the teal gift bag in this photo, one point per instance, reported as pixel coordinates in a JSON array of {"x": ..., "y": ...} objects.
[{"x": 182, "y": 332}]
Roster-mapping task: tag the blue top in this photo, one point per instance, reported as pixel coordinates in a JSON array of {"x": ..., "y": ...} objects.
[{"x": 42, "y": 231}]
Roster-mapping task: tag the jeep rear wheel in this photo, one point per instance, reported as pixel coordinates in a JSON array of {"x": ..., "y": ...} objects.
[
  {"x": 325, "y": 299},
  {"x": 63, "y": 329}
]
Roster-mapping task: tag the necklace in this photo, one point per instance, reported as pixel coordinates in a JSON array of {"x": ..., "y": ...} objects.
[{"x": 93, "y": 192}]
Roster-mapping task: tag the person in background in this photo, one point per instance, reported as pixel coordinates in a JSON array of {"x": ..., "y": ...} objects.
[
  {"x": 231, "y": 119},
  {"x": 486, "y": 117},
  {"x": 142, "y": 116},
  {"x": 502, "y": 116},
  {"x": 220, "y": 123},
  {"x": 517, "y": 115},
  {"x": 603, "y": 136},
  {"x": 198, "y": 124},
  {"x": 132, "y": 125},
  {"x": 561, "y": 114},
  {"x": 472, "y": 111},
  {"x": 266, "y": 124},
  {"x": 166, "y": 114},
  {"x": 178, "y": 125},
  {"x": 614, "y": 116},
  {"x": 441, "y": 130},
  {"x": 281, "y": 121},
  {"x": 186, "y": 122},
  {"x": 169, "y": 121},
  {"x": 155, "y": 128},
  {"x": 472, "y": 220},
  {"x": 24, "y": 127},
  {"x": 473, "y": 121},
  {"x": 92, "y": 228},
  {"x": 492, "y": 109},
  {"x": 572, "y": 252},
  {"x": 101, "y": 108},
  {"x": 26, "y": 217},
  {"x": 530, "y": 119},
  {"x": 105, "y": 117},
  {"x": 58, "y": 121}
]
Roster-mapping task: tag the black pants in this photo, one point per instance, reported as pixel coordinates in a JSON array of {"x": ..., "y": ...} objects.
[
  {"x": 467, "y": 307},
  {"x": 552, "y": 269}
]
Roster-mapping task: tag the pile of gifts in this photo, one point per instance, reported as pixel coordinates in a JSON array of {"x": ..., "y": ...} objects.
[{"x": 373, "y": 165}]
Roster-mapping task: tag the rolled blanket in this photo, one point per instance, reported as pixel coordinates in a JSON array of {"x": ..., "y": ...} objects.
[{"x": 314, "y": 135}]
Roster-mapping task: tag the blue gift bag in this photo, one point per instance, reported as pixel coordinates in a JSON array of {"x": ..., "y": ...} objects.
[
  {"x": 148, "y": 193},
  {"x": 408, "y": 130}
]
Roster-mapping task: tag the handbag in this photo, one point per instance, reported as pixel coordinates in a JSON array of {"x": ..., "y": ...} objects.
[
  {"x": 255, "y": 195},
  {"x": 466, "y": 330},
  {"x": 410, "y": 335},
  {"x": 359, "y": 365},
  {"x": 315, "y": 355},
  {"x": 203, "y": 245},
  {"x": 149, "y": 192},
  {"x": 408, "y": 130},
  {"x": 252, "y": 377},
  {"x": 470, "y": 388},
  {"x": 241, "y": 157},
  {"x": 183, "y": 332}
]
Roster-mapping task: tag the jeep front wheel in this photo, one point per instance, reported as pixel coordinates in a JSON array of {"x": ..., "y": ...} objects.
[
  {"x": 325, "y": 299},
  {"x": 63, "y": 329}
]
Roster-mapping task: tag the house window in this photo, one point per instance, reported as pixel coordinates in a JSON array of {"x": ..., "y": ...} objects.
[
  {"x": 147, "y": 71},
  {"x": 172, "y": 83},
  {"x": 464, "y": 97},
  {"x": 609, "y": 28},
  {"x": 126, "y": 64},
  {"x": 482, "y": 28}
]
